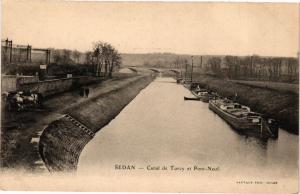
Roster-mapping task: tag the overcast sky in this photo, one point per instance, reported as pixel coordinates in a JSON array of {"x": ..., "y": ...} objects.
[{"x": 187, "y": 28}]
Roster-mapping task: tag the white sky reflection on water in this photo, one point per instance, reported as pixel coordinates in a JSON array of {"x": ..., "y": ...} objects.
[{"x": 159, "y": 128}]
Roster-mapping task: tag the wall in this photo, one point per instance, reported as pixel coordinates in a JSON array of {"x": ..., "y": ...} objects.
[
  {"x": 62, "y": 140},
  {"x": 8, "y": 83},
  {"x": 12, "y": 82},
  {"x": 27, "y": 79},
  {"x": 50, "y": 87}
]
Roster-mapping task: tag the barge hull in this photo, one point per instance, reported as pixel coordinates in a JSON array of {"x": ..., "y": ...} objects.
[{"x": 238, "y": 124}]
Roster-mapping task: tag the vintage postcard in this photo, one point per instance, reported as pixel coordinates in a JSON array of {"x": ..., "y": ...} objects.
[{"x": 149, "y": 96}]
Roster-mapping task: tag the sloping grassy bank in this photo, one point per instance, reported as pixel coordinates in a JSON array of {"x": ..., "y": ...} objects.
[
  {"x": 63, "y": 140},
  {"x": 21, "y": 130},
  {"x": 283, "y": 106}
]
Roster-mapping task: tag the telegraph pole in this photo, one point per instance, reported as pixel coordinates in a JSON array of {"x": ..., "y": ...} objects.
[
  {"x": 201, "y": 62},
  {"x": 298, "y": 56},
  {"x": 192, "y": 70},
  {"x": 10, "y": 48},
  {"x": 180, "y": 66},
  {"x": 185, "y": 71}
]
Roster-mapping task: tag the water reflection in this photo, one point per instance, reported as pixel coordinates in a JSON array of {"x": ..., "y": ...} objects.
[
  {"x": 159, "y": 127},
  {"x": 262, "y": 142}
]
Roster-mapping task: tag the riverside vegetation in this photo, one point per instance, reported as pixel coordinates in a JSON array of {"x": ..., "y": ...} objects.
[{"x": 279, "y": 104}]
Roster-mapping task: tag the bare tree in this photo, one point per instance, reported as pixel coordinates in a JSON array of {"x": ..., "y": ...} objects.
[
  {"x": 62, "y": 57},
  {"x": 106, "y": 56},
  {"x": 89, "y": 58},
  {"x": 276, "y": 68},
  {"x": 76, "y": 55},
  {"x": 230, "y": 65},
  {"x": 98, "y": 56},
  {"x": 292, "y": 65},
  {"x": 246, "y": 65},
  {"x": 215, "y": 64}
]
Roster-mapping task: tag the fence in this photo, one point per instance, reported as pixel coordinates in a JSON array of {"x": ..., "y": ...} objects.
[{"x": 13, "y": 53}]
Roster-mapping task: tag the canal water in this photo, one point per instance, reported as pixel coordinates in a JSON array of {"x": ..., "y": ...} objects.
[{"x": 159, "y": 129}]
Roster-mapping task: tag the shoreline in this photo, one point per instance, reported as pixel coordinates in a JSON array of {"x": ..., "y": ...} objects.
[
  {"x": 280, "y": 105},
  {"x": 21, "y": 131},
  {"x": 63, "y": 140}
]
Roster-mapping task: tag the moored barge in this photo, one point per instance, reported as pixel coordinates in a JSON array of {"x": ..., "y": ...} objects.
[{"x": 242, "y": 119}]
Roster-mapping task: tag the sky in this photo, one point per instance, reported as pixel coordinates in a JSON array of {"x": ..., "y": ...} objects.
[{"x": 269, "y": 29}]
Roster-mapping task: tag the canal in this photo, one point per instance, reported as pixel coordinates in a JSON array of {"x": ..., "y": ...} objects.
[{"x": 158, "y": 128}]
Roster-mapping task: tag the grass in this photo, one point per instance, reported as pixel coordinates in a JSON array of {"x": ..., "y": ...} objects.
[
  {"x": 278, "y": 86},
  {"x": 61, "y": 142},
  {"x": 18, "y": 128},
  {"x": 274, "y": 102}
]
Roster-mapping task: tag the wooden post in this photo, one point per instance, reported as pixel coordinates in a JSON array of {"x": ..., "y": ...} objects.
[
  {"x": 10, "y": 53},
  {"x": 192, "y": 70},
  {"x": 49, "y": 55},
  {"x": 185, "y": 71},
  {"x": 251, "y": 66},
  {"x": 180, "y": 70},
  {"x": 5, "y": 49},
  {"x": 298, "y": 56},
  {"x": 201, "y": 61},
  {"x": 20, "y": 54},
  {"x": 30, "y": 50},
  {"x": 27, "y": 53},
  {"x": 46, "y": 56},
  {"x": 28, "y": 57},
  {"x": 6, "y": 45}
]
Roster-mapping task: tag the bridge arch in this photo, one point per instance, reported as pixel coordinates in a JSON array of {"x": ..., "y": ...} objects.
[
  {"x": 154, "y": 70},
  {"x": 128, "y": 70},
  {"x": 173, "y": 70},
  {"x": 134, "y": 69}
]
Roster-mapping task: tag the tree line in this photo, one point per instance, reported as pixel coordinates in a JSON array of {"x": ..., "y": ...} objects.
[
  {"x": 103, "y": 60},
  {"x": 243, "y": 67},
  {"x": 271, "y": 68}
]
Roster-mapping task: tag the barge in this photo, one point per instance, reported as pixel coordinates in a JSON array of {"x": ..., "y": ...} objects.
[{"x": 242, "y": 119}]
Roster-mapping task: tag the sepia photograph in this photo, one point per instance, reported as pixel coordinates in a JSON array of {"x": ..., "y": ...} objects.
[{"x": 149, "y": 96}]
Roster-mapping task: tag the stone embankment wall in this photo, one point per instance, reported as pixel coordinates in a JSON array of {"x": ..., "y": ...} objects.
[
  {"x": 63, "y": 140},
  {"x": 46, "y": 88},
  {"x": 50, "y": 87},
  {"x": 12, "y": 82}
]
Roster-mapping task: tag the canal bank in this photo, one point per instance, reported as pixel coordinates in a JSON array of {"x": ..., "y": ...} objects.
[
  {"x": 280, "y": 105},
  {"x": 159, "y": 131},
  {"x": 62, "y": 140},
  {"x": 20, "y": 141}
]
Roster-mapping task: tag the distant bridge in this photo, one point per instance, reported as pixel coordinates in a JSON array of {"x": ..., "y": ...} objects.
[{"x": 135, "y": 69}]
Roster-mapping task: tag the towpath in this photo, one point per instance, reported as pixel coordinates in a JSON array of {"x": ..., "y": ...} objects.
[{"x": 19, "y": 144}]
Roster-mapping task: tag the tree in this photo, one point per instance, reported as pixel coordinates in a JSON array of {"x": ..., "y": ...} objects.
[
  {"x": 215, "y": 64},
  {"x": 274, "y": 65},
  {"x": 246, "y": 65},
  {"x": 62, "y": 57},
  {"x": 292, "y": 65},
  {"x": 115, "y": 61},
  {"x": 76, "y": 55},
  {"x": 106, "y": 56},
  {"x": 230, "y": 64},
  {"x": 98, "y": 57},
  {"x": 89, "y": 58}
]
